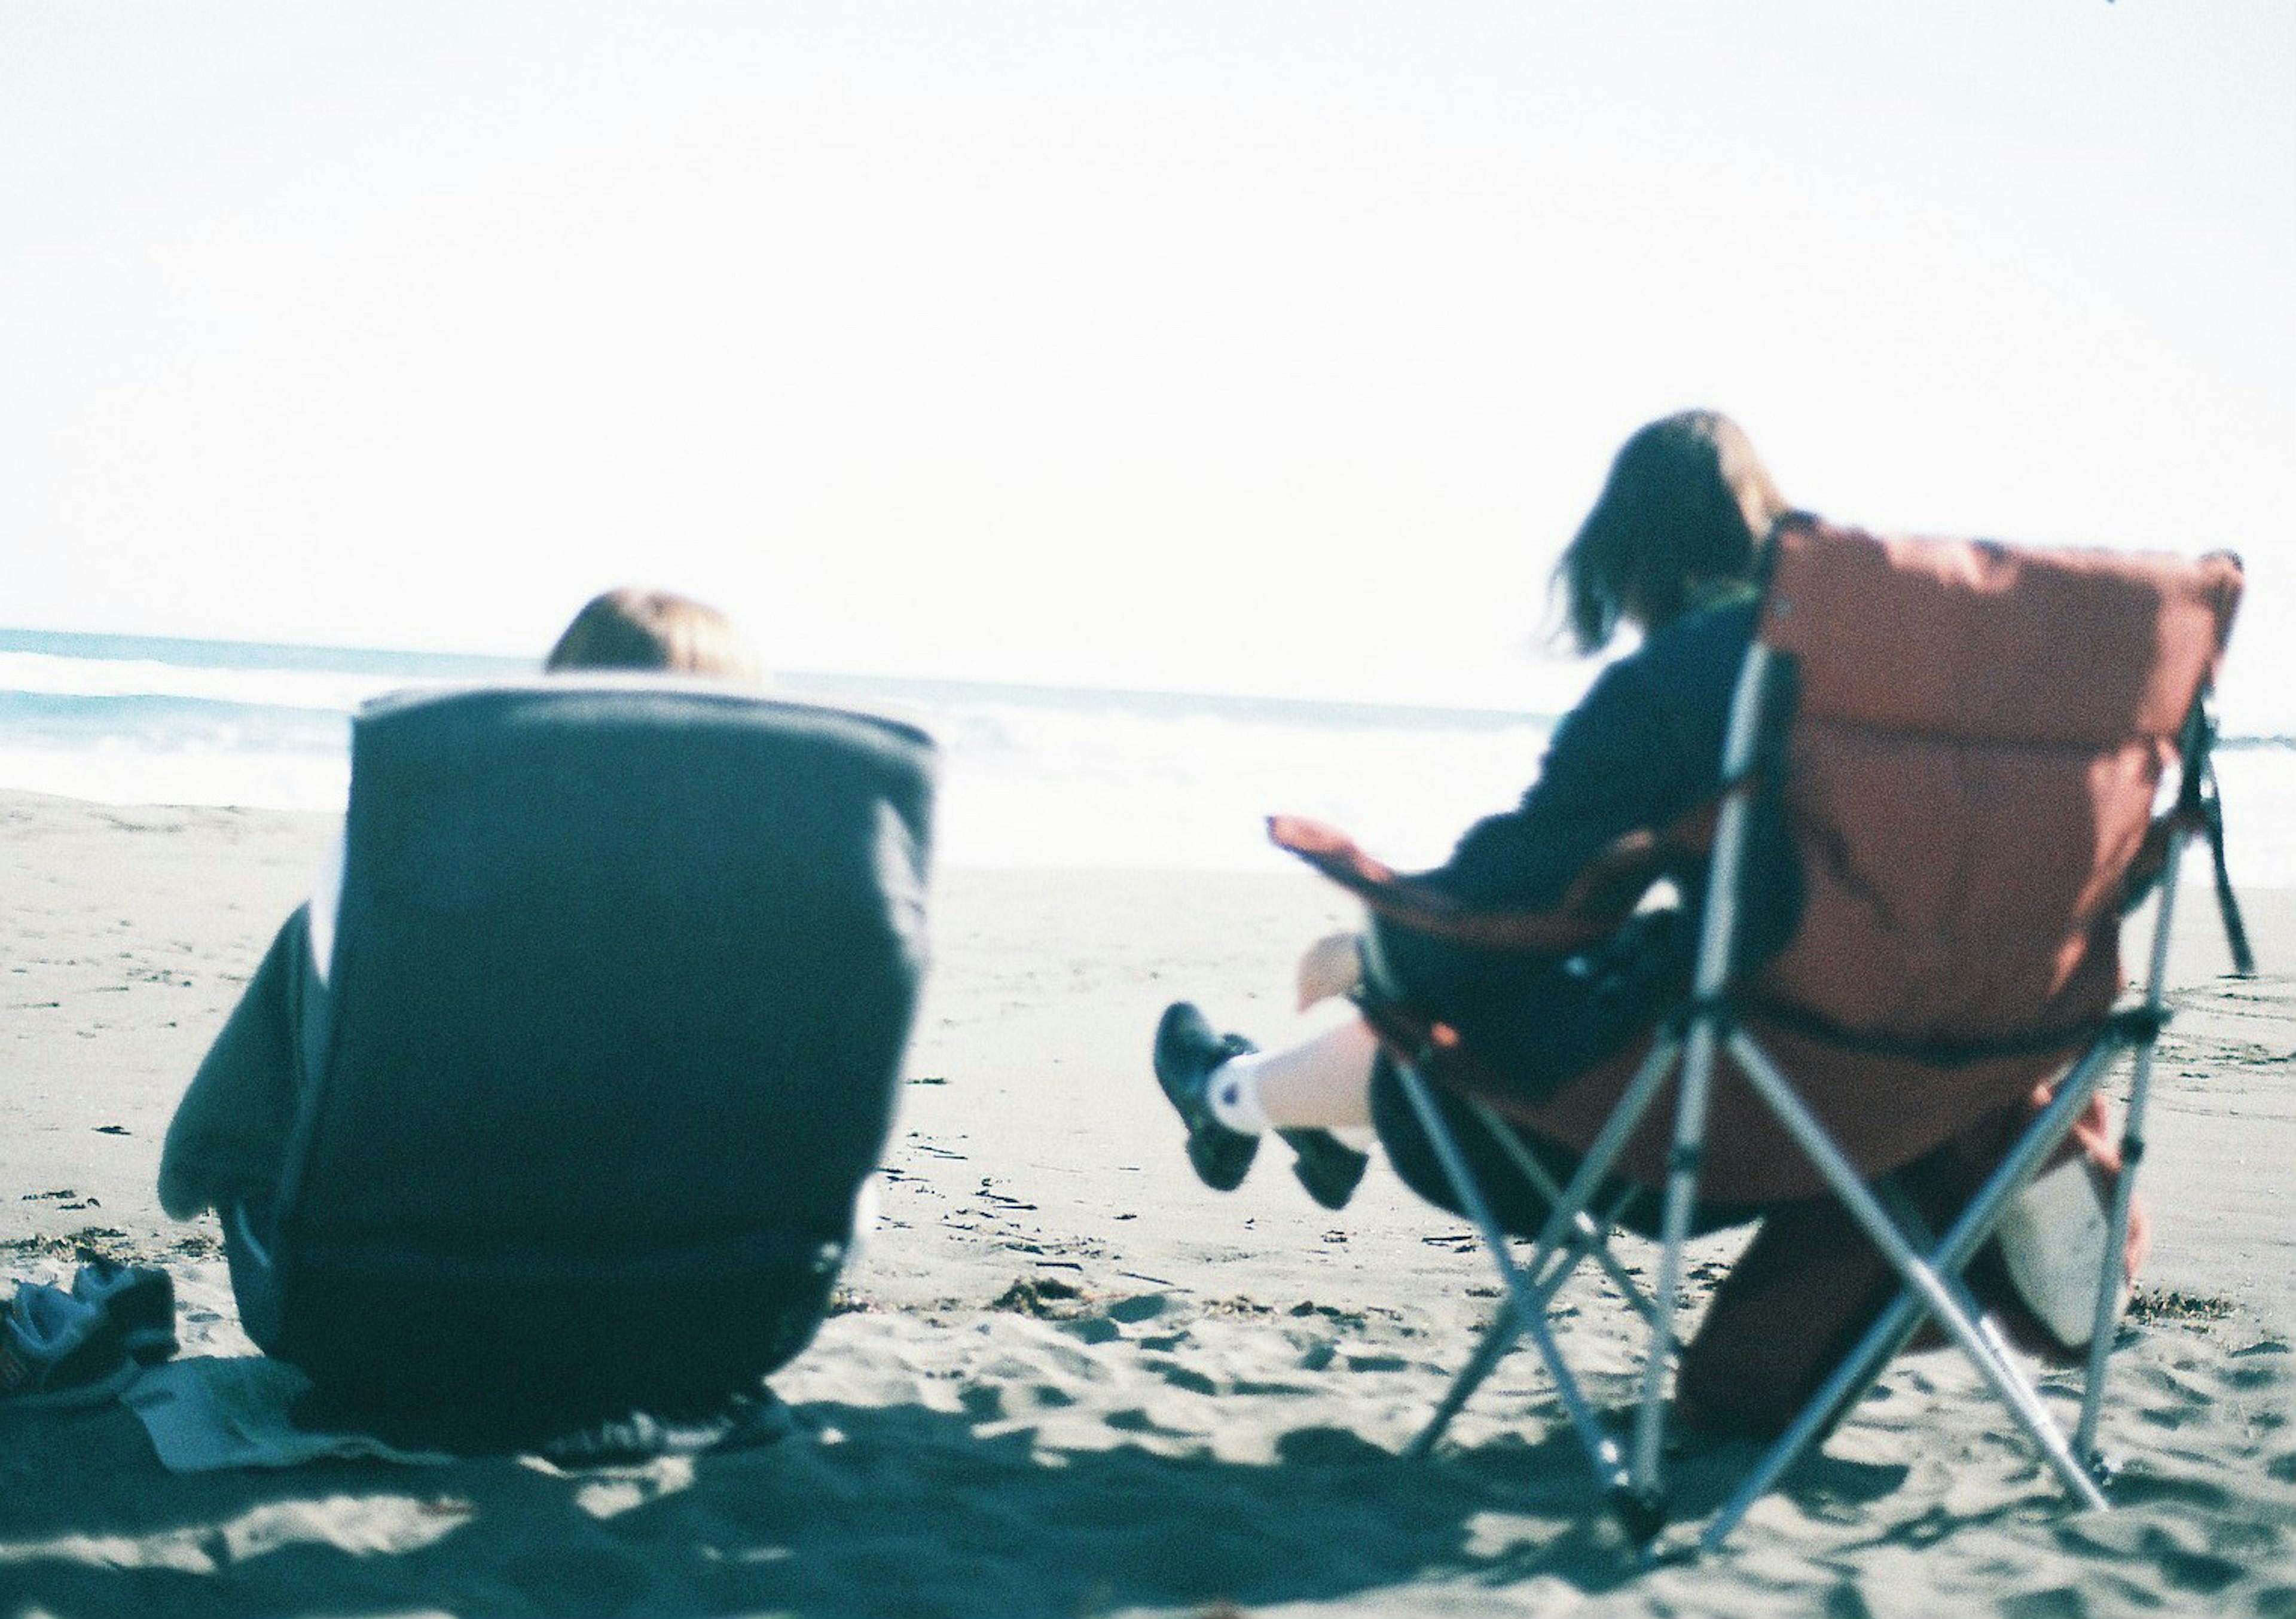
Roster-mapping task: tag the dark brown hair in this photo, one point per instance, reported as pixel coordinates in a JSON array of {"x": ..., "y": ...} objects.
[
  {"x": 1684, "y": 511},
  {"x": 651, "y": 629}
]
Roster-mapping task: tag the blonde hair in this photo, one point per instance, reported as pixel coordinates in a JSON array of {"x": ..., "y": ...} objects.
[
  {"x": 1686, "y": 510},
  {"x": 631, "y": 628}
]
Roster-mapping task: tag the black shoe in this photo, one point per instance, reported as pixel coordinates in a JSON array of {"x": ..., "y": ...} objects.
[
  {"x": 1327, "y": 1166},
  {"x": 1187, "y": 1050},
  {"x": 58, "y": 1351},
  {"x": 139, "y": 1300}
]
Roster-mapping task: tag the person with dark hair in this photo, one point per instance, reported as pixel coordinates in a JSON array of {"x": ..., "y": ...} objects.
[
  {"x": 1671, "y": 549},
  {"x": 1679, "y": 522},
  {"x": 229, "y": 1134}
]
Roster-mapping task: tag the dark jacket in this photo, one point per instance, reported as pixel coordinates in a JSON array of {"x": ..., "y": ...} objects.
[{"x": 1643, "y": 747}]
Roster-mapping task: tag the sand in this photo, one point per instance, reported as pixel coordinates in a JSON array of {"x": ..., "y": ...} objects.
[{"x": 1070, "y": 1380}]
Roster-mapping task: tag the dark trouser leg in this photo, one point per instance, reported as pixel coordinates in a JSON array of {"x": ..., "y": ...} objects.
[
  {"x": 229, "y": 1136},
  {"x": 1518, "y": 1205},
  {"x": 1808, "y": 1285},
  {"x": 244, "y": 1104}
]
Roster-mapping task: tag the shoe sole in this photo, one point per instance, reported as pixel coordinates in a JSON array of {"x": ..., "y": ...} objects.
[{"x": 1222, "y": 1165}]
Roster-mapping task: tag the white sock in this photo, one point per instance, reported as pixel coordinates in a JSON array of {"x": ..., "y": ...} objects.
[{"x": 1233, "y": 1090}]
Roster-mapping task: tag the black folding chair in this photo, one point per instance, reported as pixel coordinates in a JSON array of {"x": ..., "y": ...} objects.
[{"x": 623, "y": 975}]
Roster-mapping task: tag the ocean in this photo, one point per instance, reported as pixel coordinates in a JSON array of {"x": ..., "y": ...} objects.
[{"x": 1031, "y": 775}]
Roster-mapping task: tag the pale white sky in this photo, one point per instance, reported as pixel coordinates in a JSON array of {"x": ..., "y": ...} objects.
[{"x": 1262, "y": 347}]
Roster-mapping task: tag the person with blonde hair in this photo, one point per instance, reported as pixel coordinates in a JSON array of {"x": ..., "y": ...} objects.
[{"x": 630, "y": 628}]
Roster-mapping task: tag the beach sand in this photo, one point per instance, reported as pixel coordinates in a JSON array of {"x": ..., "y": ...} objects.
[{"x": 1068, "y": 1379}]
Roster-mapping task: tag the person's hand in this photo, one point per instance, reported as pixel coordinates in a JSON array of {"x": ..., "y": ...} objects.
[{"x": 1332, "y": 965}]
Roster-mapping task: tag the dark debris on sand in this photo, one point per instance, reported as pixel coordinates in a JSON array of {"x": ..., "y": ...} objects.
[
  {"x": 90, "y": 1242},
  {"x": 1048, "y": 1298},
  {"x": 2152, "y": 1305}
]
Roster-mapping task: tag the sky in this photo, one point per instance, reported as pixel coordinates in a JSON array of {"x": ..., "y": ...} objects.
[{"x": 1251, "y": 346}]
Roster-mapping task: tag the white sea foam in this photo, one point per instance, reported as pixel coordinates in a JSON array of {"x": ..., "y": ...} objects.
[
  {"x": 129, "y": 774},
  {"x": 1096, "y": 785},
  {"x": 318, "y": 690},
  {"x": 1059, "y": 780},
  {"x": 1029, "y": 778}
]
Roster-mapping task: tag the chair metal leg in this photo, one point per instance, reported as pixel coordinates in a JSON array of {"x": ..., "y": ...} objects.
[
  {"x": 1587, "y": 1238},
  {"x": 1563, "y": 1240},
  {"x": 1756, "y": 706},
  {"x": 2103, "y": 1325},
  {"x": 1925, "y": 1292},
  {"x": 1527, "y": 1307},
  {"x": 1920, "y": 1275},
  {"x": 1864, "y": 1365},
  {"x": 1900, "y": 1207},
  {"x": 1497, "y": 1338},
  {"x": 1681, "y": 1195},
  {"x": 1609, "y": 1143},
  {"x": 1500, "y": 1334}
]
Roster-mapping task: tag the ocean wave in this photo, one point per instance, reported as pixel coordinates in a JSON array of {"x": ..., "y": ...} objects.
[
  {"x": 1032, "y": 777},
  {"x": 127, "y": 774},
  {"x": 327, "y": 691}
]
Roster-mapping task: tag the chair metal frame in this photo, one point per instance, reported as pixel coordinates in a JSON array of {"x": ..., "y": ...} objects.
[{"x": 1708, "y": 1030}]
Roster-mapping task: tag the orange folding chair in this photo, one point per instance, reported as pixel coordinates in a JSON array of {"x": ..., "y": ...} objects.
[{"x": 1964, "y": 747}]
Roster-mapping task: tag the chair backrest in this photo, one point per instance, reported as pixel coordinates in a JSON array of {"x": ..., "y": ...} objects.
[
  {"x": 1978, "y": 742},
  {"x": 1979, "y": 736},
  {"x": 623, "y": 976}
]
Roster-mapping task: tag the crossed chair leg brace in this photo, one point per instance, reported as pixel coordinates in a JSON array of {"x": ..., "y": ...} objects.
[{"x": 1929, "y": 1268}]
